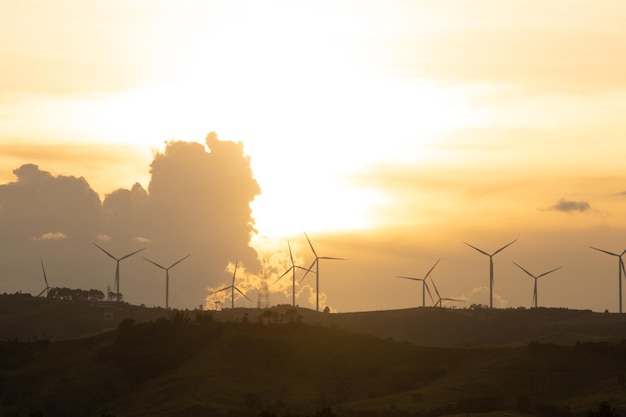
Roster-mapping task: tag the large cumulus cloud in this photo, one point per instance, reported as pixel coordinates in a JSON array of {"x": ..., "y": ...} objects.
[{"x": 197, "y": 202}]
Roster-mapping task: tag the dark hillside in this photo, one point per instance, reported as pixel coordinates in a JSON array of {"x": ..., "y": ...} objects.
[
  {"x": 24, "y": 317},
  {"x": 191, "y": 365},
  {"x": 431, "y": 326}
]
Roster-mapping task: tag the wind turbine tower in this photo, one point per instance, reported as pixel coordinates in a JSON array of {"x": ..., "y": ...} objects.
[
  {"x": 167, "y": 276},
  {"x": 291, "y": 269},
  {"x": 424, "y": 285},
  {"x": 316, "y": 262},
  {"x": 491, "y": 255},
  {"x": 620, "y": 268},
  {"x": 536, "y": 277},
  {"x": 117, "y": 267}
]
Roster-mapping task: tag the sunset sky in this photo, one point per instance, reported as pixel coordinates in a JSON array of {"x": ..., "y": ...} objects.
[{"x": 391, "y": 132}]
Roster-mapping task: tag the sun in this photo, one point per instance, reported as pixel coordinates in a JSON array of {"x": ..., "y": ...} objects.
[{"x": 311, "y": 108}]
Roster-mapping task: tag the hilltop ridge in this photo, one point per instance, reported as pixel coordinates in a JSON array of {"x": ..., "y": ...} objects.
[{"x": 23, "y": 317}]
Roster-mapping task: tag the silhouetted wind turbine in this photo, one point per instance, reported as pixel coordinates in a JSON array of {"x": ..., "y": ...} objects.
[
  {"x": 233, "y": 289},
  {"x": 291, "y": 269},
  {"x": 620, "y": 268},
  {"x": 117, "y": 267},
  {"x": 536, "y": 277},
  {"x": 316, "y": 262},
  {"x": 491, "y": 267},
  {"x": 440, "y": 298},
  {"x": 45, "y": 279},
  {"x": 424, "y": 285},
  {"x": 167, "y": 276}
]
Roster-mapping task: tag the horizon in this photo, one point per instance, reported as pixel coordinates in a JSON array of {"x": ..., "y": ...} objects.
[{"x": 391, "y": 137}]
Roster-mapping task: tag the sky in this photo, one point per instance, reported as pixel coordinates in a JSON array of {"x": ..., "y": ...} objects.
[{"x": 390, "y": 132}]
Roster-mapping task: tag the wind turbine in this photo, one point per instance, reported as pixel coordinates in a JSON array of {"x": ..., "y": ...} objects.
[
  {"x": 620, "y": 268},
  {"x": 424, "y": 285},
  {"x": 167, "y": 276},
  {"x": 316, "y": 262},
  {"x": 491, "y": 267},
  {"x": 291, "y": 269},
  {"x": 438, "y": 303},
  {"x": 536, "y": 277},
  {"x": 233, "y": 289},
  {"x": 117, "y": 267},
  {"x": 45, "y": 278}
]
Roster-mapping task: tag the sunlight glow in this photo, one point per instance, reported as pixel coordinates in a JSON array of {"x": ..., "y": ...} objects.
[{"x": 313, "y": 108}]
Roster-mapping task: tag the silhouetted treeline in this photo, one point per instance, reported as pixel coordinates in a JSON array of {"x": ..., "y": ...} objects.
[{"x": 71, "y": 294}]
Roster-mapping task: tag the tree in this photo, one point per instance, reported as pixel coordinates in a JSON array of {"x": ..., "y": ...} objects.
[{"x": 604, "y": 410}]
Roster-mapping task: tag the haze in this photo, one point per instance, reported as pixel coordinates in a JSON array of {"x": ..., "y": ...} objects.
[{"x": 391, "y": 133}]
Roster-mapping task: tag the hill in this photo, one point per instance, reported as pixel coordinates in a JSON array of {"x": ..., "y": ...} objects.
[
  {"x": 24, "y": 317},
  {"x": 192, "y": 365},
  {"x": 432, "y": 326}
]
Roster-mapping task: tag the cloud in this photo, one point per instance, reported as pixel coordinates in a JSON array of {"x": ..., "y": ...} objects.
[
  {"x": 51, "y": 236},
  {"x": 38, "y": 202},
  {"x": 569, "y": 206},
  {"x": 197, "y": 203},
  {"x": 102, "y": 237},
  {"x": 480, "y": 295}
]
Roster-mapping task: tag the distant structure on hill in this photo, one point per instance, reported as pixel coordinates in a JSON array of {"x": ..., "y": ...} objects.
[{"x": 264, "y": 293}]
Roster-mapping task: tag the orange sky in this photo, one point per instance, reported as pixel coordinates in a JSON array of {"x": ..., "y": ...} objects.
[{"x": 392, "y": 132}]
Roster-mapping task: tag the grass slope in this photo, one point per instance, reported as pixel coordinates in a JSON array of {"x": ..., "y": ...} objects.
[{"x": 184, "y": 367}]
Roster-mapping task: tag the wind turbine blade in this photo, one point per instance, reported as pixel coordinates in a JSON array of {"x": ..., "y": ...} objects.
[
  {"x": 623, "y": 269},
  {"x": 239, "y": 291},
  {"x": 131, "y": 254},
  {"x": 308, "y": 270},
  {"x": 504, "y": 247},
  {"x": 154, "y": 263},
  {"x": 524, "y": 270},
  {"x": 103, "y": 250},
  {"x": 431, "y": 269},
  {"x": 45, "y": 278},
  {"x": 284, "y": 273},
  {"x": 331, "y": 258},
  {"x": 44, "y": 290},
  {"x": 178, "y": 261},
  {"x": 435, "y": 287},
  {"x": 310, "y": 244},
  {"x": 605, "y": 251},
  {"x": 549, "y": 272},
  {"x": 411, "y": 278},
  {"x": 479, "y": 250},
  {"x": 220, "y": 290},
  {"x": 290, "y": 253},
  {"x": 235, "y": 271}
]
